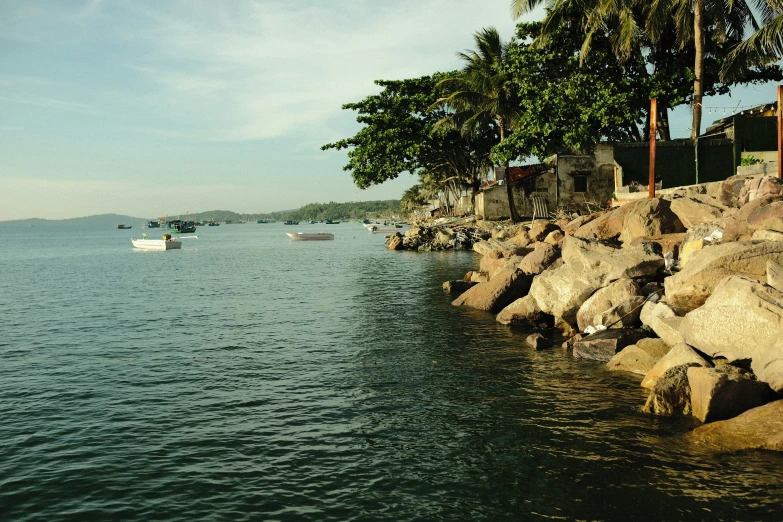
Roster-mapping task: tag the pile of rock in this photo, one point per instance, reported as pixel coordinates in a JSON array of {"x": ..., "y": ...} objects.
[
  {"x": 433, "y": 238},
  {"x": 685, "y": 289}
]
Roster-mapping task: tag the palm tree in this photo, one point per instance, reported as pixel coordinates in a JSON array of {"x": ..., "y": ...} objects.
[
  {"x": 480, "y": 95},
  {"x": 412, "y": 199},
  {"x": 694, "y": 19},
  {"x": 762, "y": 47}
]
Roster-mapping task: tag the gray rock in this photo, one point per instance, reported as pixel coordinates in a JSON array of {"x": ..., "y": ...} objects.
[
  {"x": 758, "y": 428},
  {"x": 737, "y": 318},
  {"x": 671, "y": 393},
  {"x": 603, "y": 345},
  {"x": 682, "y": 354},
  {"x": 724, "y": 392},
  {"x": 497, "y": 293}
]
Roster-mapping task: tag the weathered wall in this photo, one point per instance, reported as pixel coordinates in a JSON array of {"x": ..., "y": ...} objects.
[{"x": 597, "y": 173}]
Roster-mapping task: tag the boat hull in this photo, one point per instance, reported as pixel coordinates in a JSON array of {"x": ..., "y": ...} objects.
[
  {"x": 156, "y": 244},
  {"x": 302, "y": 236}
]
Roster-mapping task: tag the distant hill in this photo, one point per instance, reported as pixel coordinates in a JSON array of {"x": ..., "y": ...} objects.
[{"x": 102, "y": 220}]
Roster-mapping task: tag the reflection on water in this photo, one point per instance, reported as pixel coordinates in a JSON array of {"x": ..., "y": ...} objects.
[{"x": 247, "y": 377}]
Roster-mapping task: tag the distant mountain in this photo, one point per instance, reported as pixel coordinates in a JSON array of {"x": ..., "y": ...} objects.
[{"x": 102, "y": 220}]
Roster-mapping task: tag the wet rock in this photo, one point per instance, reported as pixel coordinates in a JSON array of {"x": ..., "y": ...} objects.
[
  {"x": 538, "y": 341},
  {"x": 457, "y": 287},
  {"x": 603, "y": 345},
  {"x": 650, "y": 217},
  {"x": 691, "y": 287},
  {"x": 682, "y": 354},
  {"x": 603, "y": 299},
  {"x": 525, "y": 312},
  {"x": 758, "y": 428},
  {"x": 494, "y": 295},
  {"x": 477, "y": 276},
  {"x": 724, "y": 392},
  {"x": 671, "y": 393},
  {"x": 395, "y": 242},
  {"x": 639, "y": 358},
  {"x": 736, "y": 319}
]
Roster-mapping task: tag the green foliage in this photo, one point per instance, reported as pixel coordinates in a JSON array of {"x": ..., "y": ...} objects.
[
  {"x": 751, "y": 160},
  {"x": 316, "y": 211}
]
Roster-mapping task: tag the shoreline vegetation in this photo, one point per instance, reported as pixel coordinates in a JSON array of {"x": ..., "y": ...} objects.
[{"x": 684, "y": 290}]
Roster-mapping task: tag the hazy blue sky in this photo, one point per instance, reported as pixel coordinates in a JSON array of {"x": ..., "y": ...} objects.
[{"x": 152, "y": 108}]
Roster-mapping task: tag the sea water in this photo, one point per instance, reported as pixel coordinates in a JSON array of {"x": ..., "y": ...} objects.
[{"x": 251, "y": 377}]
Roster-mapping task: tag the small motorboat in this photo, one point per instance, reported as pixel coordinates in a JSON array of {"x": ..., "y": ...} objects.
[
  {"x": 167, "y": 243},
  {"x": 289, "y": 222},
  {"x": 124, "y": 227},
  {"x": 374, "y": 229},
  {"x": 213, "y": 224},
  {"x": 304, "y": 236}
]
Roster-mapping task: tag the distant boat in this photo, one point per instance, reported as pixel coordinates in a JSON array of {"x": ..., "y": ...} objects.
[
  {"x": 167, "y": 243},
  {"x": 262, "y": 221},
  {"x": 124, "y": 227},
  {"x": 152, "y": 224},
  {"x": 213, "y": 224},
  {"x": 303, "y": 236},
  {"x": 330, "y": 222},
  {"x": 383, "y": 228},
  {"x": 289, "y": 222},
  {"x": 182, "y": 227}
]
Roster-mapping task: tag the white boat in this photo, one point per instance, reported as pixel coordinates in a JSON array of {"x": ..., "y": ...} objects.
[
  {"x": 167, "y": 243},
  {"x": 383, "y": 228},
  {"x": 314, "y": 236}
]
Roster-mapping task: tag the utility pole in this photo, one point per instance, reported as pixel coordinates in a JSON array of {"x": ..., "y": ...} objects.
[
  {"x": 780, "y": 132},
  {"x": 653, "y": 136}
]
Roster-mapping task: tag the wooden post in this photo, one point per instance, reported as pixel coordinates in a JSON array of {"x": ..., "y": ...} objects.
[
  {"x": 780, "y": 132},
  {"x": 653, "y": 137}
]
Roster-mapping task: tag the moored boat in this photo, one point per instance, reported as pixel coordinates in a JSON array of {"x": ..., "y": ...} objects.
[
  {"x": 182, "y": 227},
  {"x": 167, "y": 243},
  {"x": 313, "y": 236},
  {"x": 289, "y": 222},
  {"x": 124, "y": 227}
]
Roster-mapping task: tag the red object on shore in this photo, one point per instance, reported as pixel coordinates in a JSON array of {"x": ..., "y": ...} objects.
[{"x": 653, "y": 137}]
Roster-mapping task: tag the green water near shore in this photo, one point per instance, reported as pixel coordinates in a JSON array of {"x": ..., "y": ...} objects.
[{"x": 248, "y": 377}]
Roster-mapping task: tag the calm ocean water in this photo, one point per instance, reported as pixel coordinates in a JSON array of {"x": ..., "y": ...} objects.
[{"x": 248, "y": 377}]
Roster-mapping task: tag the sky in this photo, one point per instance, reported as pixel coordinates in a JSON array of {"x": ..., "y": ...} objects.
[{"x": 151, "y": 108}]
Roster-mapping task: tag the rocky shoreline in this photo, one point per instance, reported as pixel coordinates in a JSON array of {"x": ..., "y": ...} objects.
[{"x": 685, "y": 290}]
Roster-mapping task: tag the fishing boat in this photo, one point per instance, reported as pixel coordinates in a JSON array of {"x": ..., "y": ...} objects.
[
  {"x": 124, "y": 227},
  {"x": 313, "y": 236},
  {"x": 330, "y": 222},
  {"x": 167, "y": 243},
  {"x": 213, "y": 224},
  {"x": 289, "y": 222},
  {"x": 182, "y": 227},
  {"x": 152, "y": 224}
]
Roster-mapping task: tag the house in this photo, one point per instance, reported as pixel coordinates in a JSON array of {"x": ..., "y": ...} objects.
[{"x": 575, "y": 181}]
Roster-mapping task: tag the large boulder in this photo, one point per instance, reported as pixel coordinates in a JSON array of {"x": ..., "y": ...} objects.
[
  {"x": 671, "y": 393},
  {"x": 541, "y": 229},
  {"x": 668, "y": 242},
  {"x": 603, "y": 345},
  {"x": 497, "y": 293},
  {"x": 766, "y": 235},
  {"x": 539, "y": 259},
  {"x": 759, "y": 428},
  {"x": 493, "y": 266},
  {"x": 613, "y": 294},
  {"x": 606, "y": 226},
  {"x": 650, "y": 217},
  {"x": 758, "y": 187},
  {"x": 693, "y": 212},
  {"x": 775, "y": 275},
  {"x": 663, "y": 321},
  {"x": 395, "y": 242},
  {"x": 574, "y": 225},
  {"x": 767, "y": 361},
  {"x": 639, "y": 358},
  {"x": 525, "y": 312},
  {"x": 690, "y": 288},
  {"x": 725, "y": 392},
  {"x": 497, "y": 249},
  {"x": 457, "y": 287},
  {"x": 738, "y": 317},
  {"x": 588, "y": 266},
  {"x": 730, "y": 190},
  {"x": 767, "y": 217},
  {"x": 622, "y": 315},
  {"x": 736, "y": 226},
  {"x": 682, "y": 354}
]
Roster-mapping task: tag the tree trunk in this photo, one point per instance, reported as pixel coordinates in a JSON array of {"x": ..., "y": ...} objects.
[
  {"x": 698, "y": 66},
  {"x": 663, "y": 121},
  {"x": 512, "y": 207}
]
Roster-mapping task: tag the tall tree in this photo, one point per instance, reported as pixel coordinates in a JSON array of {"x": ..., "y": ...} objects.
[
  {"x": 639, "y": 23},
  {"x": 481, "y": 93}
]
